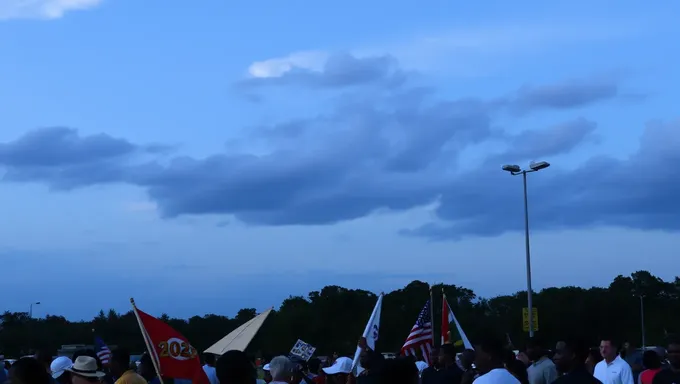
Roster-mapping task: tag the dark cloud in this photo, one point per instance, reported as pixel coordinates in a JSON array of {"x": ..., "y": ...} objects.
[
  {"x": 65, "y": 159},
  {"x": 639, "y": 191},
  {"x": 559, "y": 139},
  {"x": 568, "y": 94},
  {"x": 340, "y": 70},
  {"x": 397, "y": 151}
]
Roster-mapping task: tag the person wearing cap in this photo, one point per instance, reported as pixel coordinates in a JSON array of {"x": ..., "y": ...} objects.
[
  {"x": 58, "y": 369},
  {"x": 85, "y": 370},
  {"x": 267, "y": 374},
  {"x": 338, "y": 372}
]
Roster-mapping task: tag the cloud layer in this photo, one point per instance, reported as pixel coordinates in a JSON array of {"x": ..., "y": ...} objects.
[
  {"x": 398, "y": 148},
  {"x": 42, "y": 9}
]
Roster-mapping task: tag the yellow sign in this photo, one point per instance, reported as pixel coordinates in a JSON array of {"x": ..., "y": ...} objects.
[{"x": 525, "y": 318}]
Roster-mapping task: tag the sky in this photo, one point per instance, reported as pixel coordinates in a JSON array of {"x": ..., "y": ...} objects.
[{"x": 211, "y": 156}]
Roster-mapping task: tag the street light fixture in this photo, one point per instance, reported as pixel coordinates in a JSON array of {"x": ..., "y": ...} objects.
[
  {"x": 30, "y": 309},
  {"x": 517, "y": 170}
]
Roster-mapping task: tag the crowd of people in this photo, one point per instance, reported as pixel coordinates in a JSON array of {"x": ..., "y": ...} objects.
[{"x": 490, "y": 362}]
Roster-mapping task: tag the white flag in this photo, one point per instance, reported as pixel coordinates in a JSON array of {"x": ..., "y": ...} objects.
[{"x": 370, "y": 333}]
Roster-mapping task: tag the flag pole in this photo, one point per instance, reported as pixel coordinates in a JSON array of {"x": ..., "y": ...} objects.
[
  {"x": 145, "y": 336},
  {"x": 432, "y": 316}
]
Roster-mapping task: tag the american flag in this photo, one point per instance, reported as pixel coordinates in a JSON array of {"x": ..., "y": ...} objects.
[
  {"x": 103, "y": 351},
  {"x": 421, "y": 336}
]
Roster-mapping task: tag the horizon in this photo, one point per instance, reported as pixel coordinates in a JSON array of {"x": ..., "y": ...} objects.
[
  {"x": 222, "y": 157},
  {"x": 305, "y": 296}
]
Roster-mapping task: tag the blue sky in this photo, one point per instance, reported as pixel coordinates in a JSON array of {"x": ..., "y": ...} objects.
[{"x": 228, "y": 154}]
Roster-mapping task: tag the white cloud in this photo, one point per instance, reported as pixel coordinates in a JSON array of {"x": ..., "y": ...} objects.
[
  {"x": 42, "y": 9},
  {"x": 463, "y": 50},
  {"x": 311, "y": 60}
]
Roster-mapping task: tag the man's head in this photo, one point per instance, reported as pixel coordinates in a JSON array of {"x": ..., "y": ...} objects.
[
  {"x": 282, "y": 369},
  {"x": 571, "y": 354},
  {"x": 44, "y": 357},
  {"x": 489, "y": 353},
  {"x": 337, "y": 373},
  {"x": 28, "y": 370},
  {"x": 401, "y": 370},
  {"x": 467, "y": 358},
  {"x": 234, "y": 367},
  {"x": 673, "y": 351},
  {"x": 58, "y": 369},
  {"x": 651, "y": 360},
  {"x": 434, "y": 356},
  {"x": 447, "y": 355},
  {"x": 608, "y": 349},
  {"x": 87, "y": 352},
  {"x": 535, "y": 349},
  {"x": 314, "y": 365},
  {"x": 120, "y": 361},
  {"x": 146, "y": 368}
]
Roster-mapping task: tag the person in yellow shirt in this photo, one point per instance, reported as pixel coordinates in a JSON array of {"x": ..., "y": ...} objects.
[{"x": 120, "y": 368}]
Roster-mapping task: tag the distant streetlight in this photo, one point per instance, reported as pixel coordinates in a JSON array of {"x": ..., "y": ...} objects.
[
  {"x": 516, "y": 170},
  {"x": 30, "y": 309},
  {"x": 642, "y": 320}
]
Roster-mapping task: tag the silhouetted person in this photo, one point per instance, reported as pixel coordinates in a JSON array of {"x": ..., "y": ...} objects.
[
  {"x": 450, "y": 371},
  {"x": 467, "y": 359},
  {"x": 401, "y": 370},
  {"x": 672, "y": 374},
  {"x": 120, "y": 368},
  {"x": 28, "y": 370},
  {"x": 593, "y": 358},
  {"x": 234, "y": 367},
  {"x": 651, "y": 361},
  {"x": 209, "y": 368},
  {"x": 570, "y": 361},
  {"x": 44, "y": 357},
  {"x": 489, "y": 355},
  {"x": 542, "y": 370},
  {"x": 430, "y": 375},
  {"x": 515, "y": 366}
]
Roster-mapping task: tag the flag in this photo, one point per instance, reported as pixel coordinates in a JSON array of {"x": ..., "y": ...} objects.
[
  {"x": 458, "y": 338},
  {"x": 420, "y": 337},
  {"x": 102, "y": 350},
  {"x": 370, "y": 332},
  {"x": 172, "y": 354}
]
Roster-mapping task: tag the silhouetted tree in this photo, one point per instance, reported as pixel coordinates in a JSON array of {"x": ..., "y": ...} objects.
[{"x": 333, "y": 318}]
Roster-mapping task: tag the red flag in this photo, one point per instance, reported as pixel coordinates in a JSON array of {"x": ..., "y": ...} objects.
[
  {"x": 445, "y": 320},
  {"x": 173, "y": 354}
]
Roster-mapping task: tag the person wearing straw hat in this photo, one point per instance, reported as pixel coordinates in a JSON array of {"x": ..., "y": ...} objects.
[{"x": 84, "y": 371}]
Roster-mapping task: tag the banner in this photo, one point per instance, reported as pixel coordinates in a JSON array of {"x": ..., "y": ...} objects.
[{"x": 303, "y": 350}]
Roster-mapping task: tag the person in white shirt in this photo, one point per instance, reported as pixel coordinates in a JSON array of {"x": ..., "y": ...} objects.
[
  {"x": 489, "y": 355},
  {"x": 209, "y": 368},
  {"x": 613, "y": 369}
]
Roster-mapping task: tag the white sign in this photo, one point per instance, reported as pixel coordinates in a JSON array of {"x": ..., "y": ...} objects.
[{"x": 303, "y": 350}]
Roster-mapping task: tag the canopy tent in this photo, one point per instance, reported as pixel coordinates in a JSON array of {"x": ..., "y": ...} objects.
[{"x": 239, "y": 338}]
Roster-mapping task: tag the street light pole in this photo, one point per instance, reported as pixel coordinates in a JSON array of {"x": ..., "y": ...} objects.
[
  {"x": 642, "y": 320},
  {"x": 30, "y": 309},
  {"x": 516, "y": 170},
  {"x": 530, "y": 301}
]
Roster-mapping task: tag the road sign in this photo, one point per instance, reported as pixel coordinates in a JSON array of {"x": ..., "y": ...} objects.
[{"x": 525, "y": 318}]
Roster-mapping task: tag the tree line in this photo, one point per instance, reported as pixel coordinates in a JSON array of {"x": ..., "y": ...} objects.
[{"x": 333, "y": 318}]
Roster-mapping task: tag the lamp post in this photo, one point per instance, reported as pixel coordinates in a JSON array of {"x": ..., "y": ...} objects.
[
  {"x": 30, "y": 309},
  {"x": 516, "y": 170},
  {"x": 642, "y": 320}
]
